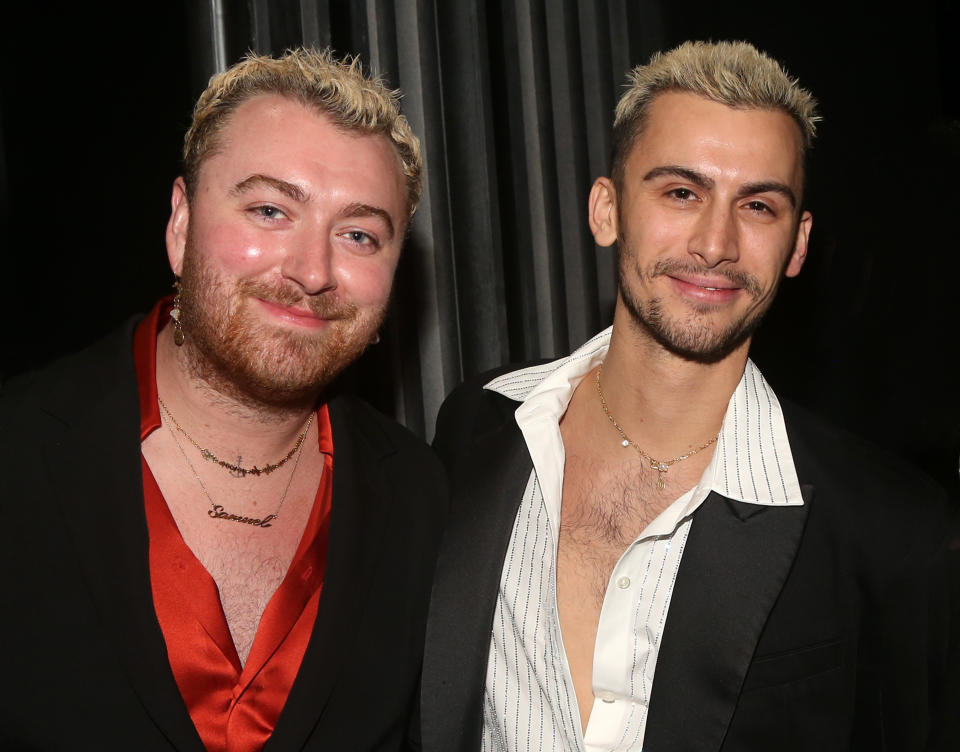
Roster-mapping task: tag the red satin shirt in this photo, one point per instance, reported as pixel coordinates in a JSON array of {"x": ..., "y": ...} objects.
[{"x": 233, "y": 707}]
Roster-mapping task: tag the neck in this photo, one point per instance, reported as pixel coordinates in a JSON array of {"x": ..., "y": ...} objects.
[
  {"x": 665, "y": 403},
  {"x": 223, "y": 417}
]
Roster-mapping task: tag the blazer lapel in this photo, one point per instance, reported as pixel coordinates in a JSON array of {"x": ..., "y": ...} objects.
[
  {"x": 736, "y": 560},
  {"x": 95, "y": 467},
  {"x": 487, "y": 491},
  {"x": 357, "y": 525}
]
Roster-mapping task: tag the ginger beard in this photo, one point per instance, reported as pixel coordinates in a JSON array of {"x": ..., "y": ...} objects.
[
  {"x": 692, "y": 336},
  {"x": 256, "y": 363}
]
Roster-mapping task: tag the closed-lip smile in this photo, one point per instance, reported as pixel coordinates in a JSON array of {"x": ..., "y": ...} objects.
[
  {"x": 294, "y": 314},
  {"x": 705, "y": 288}
]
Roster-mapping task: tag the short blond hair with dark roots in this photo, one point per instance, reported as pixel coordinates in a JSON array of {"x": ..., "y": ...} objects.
[
  {"x": 736, "y": 74},
  {"x": 339, "y": 89}
]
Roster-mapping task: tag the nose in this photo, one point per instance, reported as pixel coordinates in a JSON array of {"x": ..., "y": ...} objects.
[
  {"x": 714, "y": 239},
  {"x": 309, "y": 262}
]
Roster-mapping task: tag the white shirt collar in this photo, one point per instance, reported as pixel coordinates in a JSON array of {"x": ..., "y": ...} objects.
[{"x": 752, "y": 462}]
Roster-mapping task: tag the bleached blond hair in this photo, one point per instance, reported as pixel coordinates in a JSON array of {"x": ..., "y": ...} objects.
[
  {"x": 736, "y": 74},
  {"x": 339, "y": 89}
]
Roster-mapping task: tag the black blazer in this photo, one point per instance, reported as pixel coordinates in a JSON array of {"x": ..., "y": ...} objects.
[
  {"x": 822, "y": 627},
  {"x": 84, "y": 657}
]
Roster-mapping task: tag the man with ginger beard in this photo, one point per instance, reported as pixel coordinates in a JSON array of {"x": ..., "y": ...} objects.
[
  {"x": 646, "y": 549},
  {"x": 214, "y": 549}
]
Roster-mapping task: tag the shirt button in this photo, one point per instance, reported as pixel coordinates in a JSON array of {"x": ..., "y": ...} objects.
[
  {"x": 607, "y": 696},
  {"x": 623, "y": 583}
]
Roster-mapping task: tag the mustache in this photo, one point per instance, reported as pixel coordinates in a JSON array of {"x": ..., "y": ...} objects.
[
  {"x": 324, "y": 305},
  {"x": 742, "y": 279}
]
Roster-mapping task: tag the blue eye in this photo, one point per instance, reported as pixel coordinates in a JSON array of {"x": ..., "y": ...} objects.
[
  {"x": 268, "y": 212},
  {"x": 359, "y": 237}
]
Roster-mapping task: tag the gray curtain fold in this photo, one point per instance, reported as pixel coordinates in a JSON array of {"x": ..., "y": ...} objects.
[{"x": 513, "y": 102}]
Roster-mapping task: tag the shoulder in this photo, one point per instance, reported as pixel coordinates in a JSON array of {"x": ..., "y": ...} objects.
[
  {"x": 828, "y": 452},
  {"x": 350, "y": 413},
  {"x": 366, "y": 433},
  {"x": 864, "y": 487},
  {"x": 470, "y": 409},
  {"x": 87, "y": 376}
]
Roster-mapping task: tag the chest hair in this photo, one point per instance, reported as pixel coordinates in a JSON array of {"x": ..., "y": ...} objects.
[
  {"x": 604, "y": 509},
  {"x": 247, "y": 570}
]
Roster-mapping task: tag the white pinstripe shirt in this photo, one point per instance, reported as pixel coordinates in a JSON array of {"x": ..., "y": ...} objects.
[{"x": 529, "y": 700}]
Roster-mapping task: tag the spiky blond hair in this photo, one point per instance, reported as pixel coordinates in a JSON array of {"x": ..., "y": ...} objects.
[
  {"x": 736, "y": 74},
  {"x": 337, "y": 88}
]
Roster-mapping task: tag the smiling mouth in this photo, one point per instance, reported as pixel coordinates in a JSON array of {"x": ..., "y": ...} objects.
[
  {"x": 709, "y": 292},
  {"x": 304, "y": 317},
  {"x": 711, "y": 285}
]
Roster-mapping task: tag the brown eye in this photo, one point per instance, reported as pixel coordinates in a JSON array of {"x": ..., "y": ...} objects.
[{"x": 759, "y": 207}]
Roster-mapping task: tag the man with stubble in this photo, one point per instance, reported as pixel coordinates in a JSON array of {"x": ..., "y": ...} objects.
[{"x": 647, "y": 549}]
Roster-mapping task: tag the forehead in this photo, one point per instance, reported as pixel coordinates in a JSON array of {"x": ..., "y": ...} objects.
[
  {"x": 283, "y": 138},
  {"x": 691, "y": 131}
]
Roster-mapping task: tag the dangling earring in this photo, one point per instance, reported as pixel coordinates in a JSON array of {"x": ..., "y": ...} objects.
[{"x": 175, "y": 314}]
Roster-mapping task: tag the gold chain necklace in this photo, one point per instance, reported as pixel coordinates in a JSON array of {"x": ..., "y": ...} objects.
[
  {"x": 660, "y": 467},
  {"x": 238, "y": 471},
  {"x": 217, "y": 511}
]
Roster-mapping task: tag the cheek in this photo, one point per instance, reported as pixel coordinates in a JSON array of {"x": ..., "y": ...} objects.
[
  {"x": 366, "y": 280},
  {"x": 652, "y": 231},
  {"x": 233, "y": 248},
  {"x": 651, "y": 241},
  {"x": 770, "y": 250}
]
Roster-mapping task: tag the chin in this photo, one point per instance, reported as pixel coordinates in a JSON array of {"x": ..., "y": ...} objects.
[
  {"x": 691, "y": 339},
  {"x": 266, "y": 366}
]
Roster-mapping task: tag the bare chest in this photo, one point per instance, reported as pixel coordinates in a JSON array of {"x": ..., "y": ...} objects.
[
  {"x": 247, "y": 573},
  {"x": 246, "y": 562},
  {"x": 605, "y": 507}
]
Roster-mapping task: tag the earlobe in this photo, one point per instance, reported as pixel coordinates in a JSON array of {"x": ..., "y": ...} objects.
[
  {"x": 799, "y": 255},
  {"x": 602, "y": 212},
  {"x": 178, "y": 225}
]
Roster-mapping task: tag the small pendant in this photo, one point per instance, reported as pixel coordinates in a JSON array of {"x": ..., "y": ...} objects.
[
  {"x": 661, "y": 468},
  {"x": 625, "y": 443}
]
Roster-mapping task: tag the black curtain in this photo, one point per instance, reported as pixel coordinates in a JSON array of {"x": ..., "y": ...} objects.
[{"x": 513, "y": 100}]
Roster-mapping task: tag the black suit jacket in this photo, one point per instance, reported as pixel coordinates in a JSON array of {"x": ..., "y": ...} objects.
[
  {"x": 84, "y": 658},
  {"x": 821, "y": 627}
]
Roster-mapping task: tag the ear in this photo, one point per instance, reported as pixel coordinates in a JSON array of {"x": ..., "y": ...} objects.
[
  {"x": 602, "y": 212},
  {"x": 177, "y": 225},
  {"x": 799, "y": 255}
]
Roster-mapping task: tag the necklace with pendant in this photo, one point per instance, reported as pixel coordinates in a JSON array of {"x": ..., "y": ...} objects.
[
  {"x": 661, "y": 466},
  {"x": 238, "y": 471},
  {"x": 217, "y": 511}
]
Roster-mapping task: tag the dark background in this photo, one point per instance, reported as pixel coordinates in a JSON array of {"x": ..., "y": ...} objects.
[{"x": 94, "y": 104}]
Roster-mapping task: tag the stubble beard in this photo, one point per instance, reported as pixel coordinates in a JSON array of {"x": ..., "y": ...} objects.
[
  {"x": 691, "y": 336},
  {"x": 256, "y": 364}
]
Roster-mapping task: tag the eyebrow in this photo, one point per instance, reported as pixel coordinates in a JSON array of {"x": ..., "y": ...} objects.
[
  {"x": 697, "y": 178},
  {"x": 365, "y": 210},
  {"x": 768, "y": 186},
  {"x": 291, "y": 191},
  {"x": 703, "y": 181}
]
